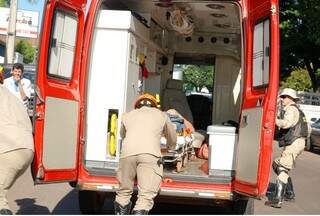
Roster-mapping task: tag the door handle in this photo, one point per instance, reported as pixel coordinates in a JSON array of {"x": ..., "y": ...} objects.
[
  {"x": 244, "y": 121},
  {"x": 38, "y": 95}
]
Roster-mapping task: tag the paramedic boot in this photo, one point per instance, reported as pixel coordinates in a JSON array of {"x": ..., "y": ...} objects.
[
  {"x": 277, "y": 199},
  {"x": 140, "y": 212},
  {"x": 122, "y": 210},
  {"x": 6, "y": 212},
  {"x": 289, "y": 194}
]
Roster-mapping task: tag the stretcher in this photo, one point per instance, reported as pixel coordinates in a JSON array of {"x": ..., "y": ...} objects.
[{"x": 183, "y": 151}]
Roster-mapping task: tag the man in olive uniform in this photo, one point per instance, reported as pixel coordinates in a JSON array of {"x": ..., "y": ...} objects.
[
  {"x": 293, "y": 132},
  {"x": 16, "y": 143},
  {"x": 140, "y": 155}
]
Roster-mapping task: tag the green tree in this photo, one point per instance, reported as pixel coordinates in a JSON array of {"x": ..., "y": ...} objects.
[
  {"x": 300, "y": 38},
  {"x": 25, "y": 48},
  {"x": 298, "y": 80},
  {"x": 198, "y": 77},
  {"x": 4, "y": 3}
]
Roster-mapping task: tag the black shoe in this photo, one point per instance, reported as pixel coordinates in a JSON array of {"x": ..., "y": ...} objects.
[
  {"x": 277, "y": 199},
  {"x": 122, "y": 210},
  {"x": 6, "y": 212},
  {"x": 289, "y": 194},
  {"x": 140, "y": 212}
]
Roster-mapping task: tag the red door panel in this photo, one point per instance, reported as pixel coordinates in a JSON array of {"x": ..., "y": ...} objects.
[
  {"x": 259, "y": 101},
  {"x": 58, "y": 103}
]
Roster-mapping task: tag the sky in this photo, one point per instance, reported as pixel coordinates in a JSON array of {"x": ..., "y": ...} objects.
[{"x": 37, "y": 5}]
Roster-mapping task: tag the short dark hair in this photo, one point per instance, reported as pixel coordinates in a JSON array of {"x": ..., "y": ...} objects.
[{"x": 18, "y": 66}]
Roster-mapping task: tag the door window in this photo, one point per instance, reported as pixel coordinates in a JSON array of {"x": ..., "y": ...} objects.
[
  {"x": 62, "y": 45},
  {"x": 261, "y": 54}
]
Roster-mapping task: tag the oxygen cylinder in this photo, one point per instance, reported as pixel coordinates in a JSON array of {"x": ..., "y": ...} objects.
[{"x": 113, "y": 134}]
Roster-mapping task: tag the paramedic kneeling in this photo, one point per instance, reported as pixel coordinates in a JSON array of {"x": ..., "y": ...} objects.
[
  {"x": 141, "y": 130},
  {"x": 293, "y": 132}
]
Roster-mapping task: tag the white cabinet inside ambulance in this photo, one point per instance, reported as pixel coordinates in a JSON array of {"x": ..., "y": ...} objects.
[{"x": 90, "y": 71}]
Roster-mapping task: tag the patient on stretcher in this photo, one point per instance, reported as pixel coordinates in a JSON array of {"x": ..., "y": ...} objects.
[
  {"x": 198, "y": 138},
  {"x": 187, "y": 140}
]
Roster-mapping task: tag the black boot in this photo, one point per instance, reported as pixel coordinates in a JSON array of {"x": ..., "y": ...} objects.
[
  {"x": 289, "y": 194},
  {"x": 277, "y": 199},
  {"x": 122, "y": 210},
  {"x": 6, "y": 212},
  {"x": 140, "y": 212}
]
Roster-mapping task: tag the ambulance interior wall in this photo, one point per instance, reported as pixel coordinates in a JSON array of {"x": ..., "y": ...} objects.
[
  {"x": 227, "y": 90},
  {"x": 227, "y": 84},
  {"x": 156, "y": 82}
]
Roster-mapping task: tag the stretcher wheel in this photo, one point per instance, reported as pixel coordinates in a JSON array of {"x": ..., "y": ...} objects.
[
  {"x": 179, "y": 166},
  {"x": 193, "y": 157},
  {"x": 185, "y": 161}
]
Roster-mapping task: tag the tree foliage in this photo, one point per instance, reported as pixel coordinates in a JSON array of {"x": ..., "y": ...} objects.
[
  {"x": 300, "y": 38},
  {"x": 298, "y": 80},
  {"x": 4, "y": 3},
  {"x": 198, "y": 77},
  {"x": 25, "y": 48}
]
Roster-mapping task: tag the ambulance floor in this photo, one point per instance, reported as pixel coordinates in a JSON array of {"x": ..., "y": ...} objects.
[{"x": 197, "y": 167}]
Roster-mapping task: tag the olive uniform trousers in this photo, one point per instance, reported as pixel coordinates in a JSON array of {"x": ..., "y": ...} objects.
[
  {"x": 288, "y": 158},
  {"x": 12, "y": 165},
  {"x": 148, "y": 172}
]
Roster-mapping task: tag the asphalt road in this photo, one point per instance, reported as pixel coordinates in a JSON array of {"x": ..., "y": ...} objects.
[{"x": 60, "y": 198}]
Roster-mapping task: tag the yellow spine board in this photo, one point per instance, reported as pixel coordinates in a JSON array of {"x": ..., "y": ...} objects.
[{"x": 113, "y": 135}]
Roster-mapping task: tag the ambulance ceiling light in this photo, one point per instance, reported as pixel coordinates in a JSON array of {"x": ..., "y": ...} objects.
[
  {"x": 215, "y": 6},
  {"x": 224, "y": 26},
  {"x": 218, "y": 15}
]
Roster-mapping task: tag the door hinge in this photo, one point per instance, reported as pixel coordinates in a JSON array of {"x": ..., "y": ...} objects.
[
  {"x": 82, "y": 141},
  {"x": 273, "y": 10},
  {"x": 82, "y": 109},
  {"x": 39, "y": 116},
  {"x": 40, "y": 173}
]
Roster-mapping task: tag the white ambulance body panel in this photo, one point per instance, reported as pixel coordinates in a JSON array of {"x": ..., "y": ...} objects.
[{"x": 113, "y": 83}]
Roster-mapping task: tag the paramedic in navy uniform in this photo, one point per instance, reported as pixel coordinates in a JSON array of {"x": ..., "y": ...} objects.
[{"x": 141, "y": 131}]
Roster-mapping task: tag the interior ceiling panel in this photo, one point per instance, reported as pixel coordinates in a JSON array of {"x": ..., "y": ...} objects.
[{"x": 212, "y": 16}]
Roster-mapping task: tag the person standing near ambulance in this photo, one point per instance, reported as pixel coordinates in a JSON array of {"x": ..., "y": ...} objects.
[
  {"x": 140, "y": 155},
  {"x": 17, "y": 85},
  {"x": 16, "y": 144},
  {"x": 292, "y": 137}
]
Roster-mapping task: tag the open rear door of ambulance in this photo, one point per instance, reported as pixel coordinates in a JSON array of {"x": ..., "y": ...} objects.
[
  {"x": 58, "y": 103},
  {"x": 261, "y": 69}
]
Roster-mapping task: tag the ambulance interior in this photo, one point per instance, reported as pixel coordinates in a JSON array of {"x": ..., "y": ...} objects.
[{"x": 166, "y": 35}]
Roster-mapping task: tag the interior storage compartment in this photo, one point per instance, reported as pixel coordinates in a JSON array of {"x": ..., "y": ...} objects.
[
  {"x": 124, "y": 31},
  {"x": 114, "y": 83},
  {"x": 222, "y": 150}
]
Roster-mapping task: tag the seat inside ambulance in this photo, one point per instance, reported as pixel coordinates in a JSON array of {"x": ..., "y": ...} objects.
[
  {"x": 215, "y": 40},
  {"x": 174, "y": 98}
]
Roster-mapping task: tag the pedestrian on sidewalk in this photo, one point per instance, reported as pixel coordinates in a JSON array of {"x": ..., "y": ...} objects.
[{"x": 17, "y": 85}]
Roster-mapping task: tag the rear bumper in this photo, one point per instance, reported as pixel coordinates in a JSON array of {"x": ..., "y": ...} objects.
[{"x": 165, "y": 191}]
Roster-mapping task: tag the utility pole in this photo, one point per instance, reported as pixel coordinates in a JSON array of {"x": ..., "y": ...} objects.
[{"x": 11, "y": 31}]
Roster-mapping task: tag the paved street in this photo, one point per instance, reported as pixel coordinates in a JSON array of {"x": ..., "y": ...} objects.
[{"x": 25, "y": 198}]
